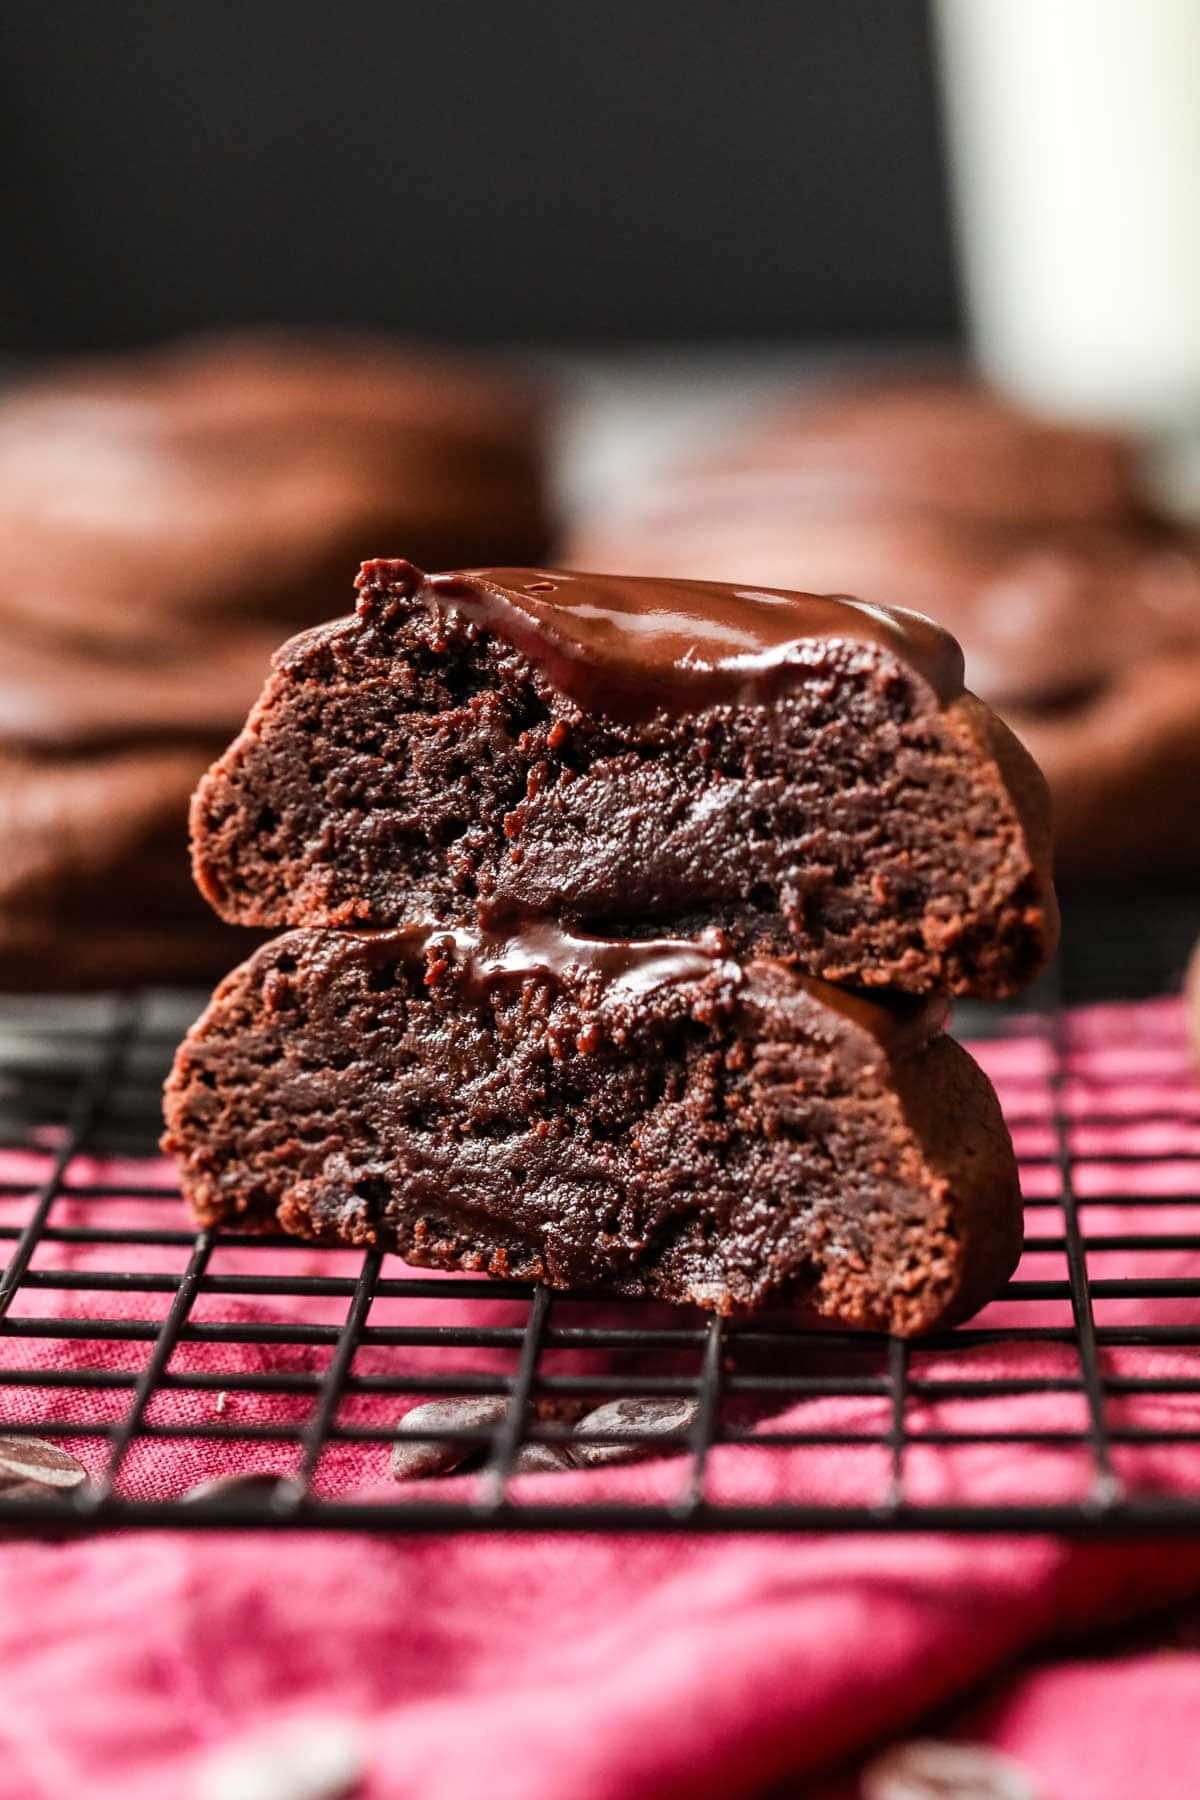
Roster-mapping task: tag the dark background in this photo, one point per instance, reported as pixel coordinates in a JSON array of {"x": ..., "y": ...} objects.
[{"x": 573, "y": 172}]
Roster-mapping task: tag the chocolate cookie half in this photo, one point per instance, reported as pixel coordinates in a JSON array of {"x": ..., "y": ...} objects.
[
  {"x": 805, "y": 772},
  {"x": 651, "y": 1118}
]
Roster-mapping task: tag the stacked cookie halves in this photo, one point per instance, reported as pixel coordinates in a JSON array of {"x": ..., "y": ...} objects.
[{"x": 624, "y": 915}]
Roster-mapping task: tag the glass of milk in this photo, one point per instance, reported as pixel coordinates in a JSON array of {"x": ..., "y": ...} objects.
[{"x": 1074, "y": 136}]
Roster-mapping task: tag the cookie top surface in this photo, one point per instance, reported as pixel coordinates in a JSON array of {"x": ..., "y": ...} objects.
[
  {"x": 241, "y": 476},
  {"x": 255, "y": 378},
  {"x": 945, "y": 443},
  {"x": 1050, "y": 623},
  {"x": 630, "y": 646}
]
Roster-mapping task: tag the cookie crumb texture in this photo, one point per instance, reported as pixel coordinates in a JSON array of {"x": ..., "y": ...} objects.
[
  {"x": 721, "y": 1135},
  {"x": 407, "y": 764}
]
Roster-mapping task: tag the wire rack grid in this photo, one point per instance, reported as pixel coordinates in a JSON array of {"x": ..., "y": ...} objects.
[{"x": 163, "y": 1357}]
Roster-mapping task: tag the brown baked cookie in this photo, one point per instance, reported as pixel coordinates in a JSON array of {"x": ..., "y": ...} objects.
[
  {"x": 239, "y": 477},
  {"x": 899, "y": 440},
  {"x": 1079, "y": 615},
  {"x": 99, "y": 754},
  {"x": 807, "y": 773},
  {"x": 188, "y": 686},
  {"x": 94, "y": 887},
  {"x": 651, "y": 1118},
  {"x": 1119, "y": 739}
]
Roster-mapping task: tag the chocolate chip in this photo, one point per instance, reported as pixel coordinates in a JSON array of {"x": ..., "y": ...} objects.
[
  {"x": 928, "y": 1769},
  {"x": 647, "y": 1416},
  {"x": 543, "y": 1459},
  {"x": 30, "y": 1459},
  {"x": 246, "y": 1486},
  {"x": 413, "y": 1459}
]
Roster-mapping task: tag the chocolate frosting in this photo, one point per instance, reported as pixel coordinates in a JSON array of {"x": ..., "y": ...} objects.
[
  {"x": 629, "y": 969},
  {"x": 629, "y": 646}
]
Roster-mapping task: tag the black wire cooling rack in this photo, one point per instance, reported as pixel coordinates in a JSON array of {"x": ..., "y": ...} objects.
[{"x": 156, "y": 1395}]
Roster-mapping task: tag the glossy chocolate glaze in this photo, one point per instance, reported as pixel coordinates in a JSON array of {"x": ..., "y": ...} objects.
[
  {"x": 540, "y": 949},
  {"x": 628, "y": 646}
]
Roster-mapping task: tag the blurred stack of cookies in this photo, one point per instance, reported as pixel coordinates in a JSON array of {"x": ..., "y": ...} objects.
[{"x": 166, "y": 519}]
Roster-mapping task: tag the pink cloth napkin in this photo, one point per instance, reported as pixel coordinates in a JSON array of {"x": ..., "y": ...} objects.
[
  {"x": 1133, "y": 1726},
  {"x": 1097, "y": 1727},
  {"x": 588, "y": 1667}
]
